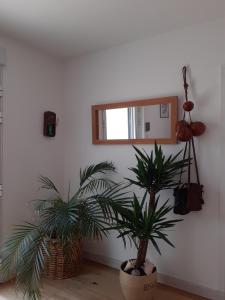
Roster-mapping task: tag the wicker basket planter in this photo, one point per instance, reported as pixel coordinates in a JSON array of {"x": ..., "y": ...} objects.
[{"x": 63, "y": 262}]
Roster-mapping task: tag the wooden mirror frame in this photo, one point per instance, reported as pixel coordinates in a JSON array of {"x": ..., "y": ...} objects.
[{"x": 166, "y": 100}]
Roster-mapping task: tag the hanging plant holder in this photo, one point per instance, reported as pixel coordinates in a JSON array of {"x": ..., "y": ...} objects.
[{"x": 188, "y": 196}]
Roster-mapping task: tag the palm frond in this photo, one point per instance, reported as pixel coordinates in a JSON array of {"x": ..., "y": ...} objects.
[
  {"x": 25, "y": 251},
  {"x": 94, "y": 185},
  {"x": 92, "y": 223},
  {"x": 113, "y": 198},
  {"x": 92, "y": 170},
  {"x": 47, "y": 184},
  {"x": 41, "y": 204},
  {"x": 61, "y": 219}
]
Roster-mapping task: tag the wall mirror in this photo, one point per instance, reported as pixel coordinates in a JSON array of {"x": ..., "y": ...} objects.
[{"x": 135, "y": 122}]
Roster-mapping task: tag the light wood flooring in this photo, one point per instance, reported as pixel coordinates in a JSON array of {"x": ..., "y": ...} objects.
[{"x": 96, "y": 282}]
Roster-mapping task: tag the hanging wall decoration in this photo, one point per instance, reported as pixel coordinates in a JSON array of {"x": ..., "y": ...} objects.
[
  {"x": 188, "y": 195},
  {"x": 49, "y": 129}
]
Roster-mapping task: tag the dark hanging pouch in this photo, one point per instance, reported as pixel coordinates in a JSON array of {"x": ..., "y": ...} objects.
[
  {"x": 180, "y": 204},
  {"x": 188, "y": 197},
  {"x": 194, "y": 197}
]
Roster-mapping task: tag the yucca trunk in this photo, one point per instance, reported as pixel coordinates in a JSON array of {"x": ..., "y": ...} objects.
[
  {"x": 141, "y": 256},
  {"x": 152, "y": 194},
  {"x": 143, "y": 244}
]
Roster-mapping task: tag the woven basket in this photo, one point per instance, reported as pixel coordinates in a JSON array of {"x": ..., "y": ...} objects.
[{"x": 63, "y": 262}]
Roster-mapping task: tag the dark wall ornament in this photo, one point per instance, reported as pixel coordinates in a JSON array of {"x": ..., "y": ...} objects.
[{"x": 49, "y": 124}]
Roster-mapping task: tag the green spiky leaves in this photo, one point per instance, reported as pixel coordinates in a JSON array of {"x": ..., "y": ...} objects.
[
  {"x": 144, "y": 222},
  {"x": 155, "y": 172}
]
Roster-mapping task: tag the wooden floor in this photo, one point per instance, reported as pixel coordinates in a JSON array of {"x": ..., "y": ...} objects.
[{"x": 96, "y": 282}]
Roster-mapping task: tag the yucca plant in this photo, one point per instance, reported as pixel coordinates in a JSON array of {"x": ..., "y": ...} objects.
[
  {"x": 142, "y": 223},
  {"x": 84, "y": 214},
  {"x": 146, "y": 220}
]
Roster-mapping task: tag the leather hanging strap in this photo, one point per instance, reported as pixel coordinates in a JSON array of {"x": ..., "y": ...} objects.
[
  {"x": 189, "y": 163},
  {"x": 195, "y": 160},
  {"x": 190, "y": 148},
  {"x": 184, "y": 157}
]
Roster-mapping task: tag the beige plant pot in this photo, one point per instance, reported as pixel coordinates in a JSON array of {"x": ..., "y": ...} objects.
[{"x": 137, "y": 287}]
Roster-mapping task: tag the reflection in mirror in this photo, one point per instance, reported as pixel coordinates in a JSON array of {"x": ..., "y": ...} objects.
[
  {"x": 141, "y": 122},
  {"x": 135, "y": 122}
]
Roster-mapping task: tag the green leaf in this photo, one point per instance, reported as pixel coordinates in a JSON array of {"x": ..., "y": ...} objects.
[
  {"x": 100, "y": 168},
  {"x": 47, "y": 184}
]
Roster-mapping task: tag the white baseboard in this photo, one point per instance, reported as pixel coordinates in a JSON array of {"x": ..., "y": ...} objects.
[
  {"x": 191, "y": 287},
  {"x": 111, "y": 262},
  {"x": 165, "y": 279}
]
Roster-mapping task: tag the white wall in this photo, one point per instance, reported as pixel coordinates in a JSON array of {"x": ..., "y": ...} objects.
[
  {"x": 222, "y": 175},
  {"x": 33, "y": 83},
  {"x": 145, "y": 69}
]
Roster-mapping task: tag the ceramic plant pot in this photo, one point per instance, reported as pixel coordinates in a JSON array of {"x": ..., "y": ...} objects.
[{"x": 137, "y": 287}]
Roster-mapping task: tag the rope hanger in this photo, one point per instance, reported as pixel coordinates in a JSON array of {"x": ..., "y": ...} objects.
[
  {"x": 190, "y": 145},
  {"x": 188, "y": 196},
  {"x": 186, "y": 86}
]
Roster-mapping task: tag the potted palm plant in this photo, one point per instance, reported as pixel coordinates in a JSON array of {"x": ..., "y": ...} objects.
[
  {"x": 52, "y": 245},
  {"x": 146, "y": 220}
]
